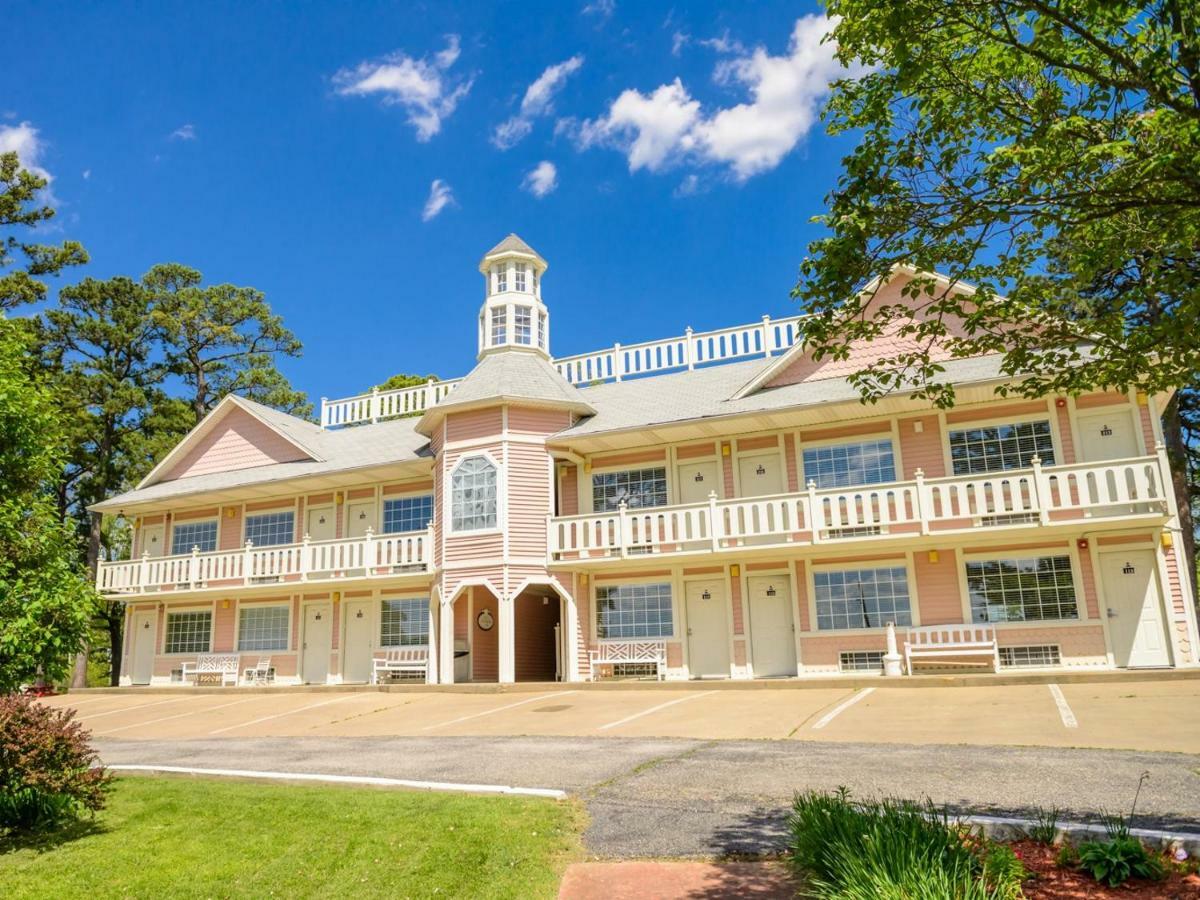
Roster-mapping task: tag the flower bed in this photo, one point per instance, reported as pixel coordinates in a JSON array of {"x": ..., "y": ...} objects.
[{"x": 1051, "y": 881}]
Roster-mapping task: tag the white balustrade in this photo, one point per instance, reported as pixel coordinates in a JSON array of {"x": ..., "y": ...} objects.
[{"x": 378, "y": 405}]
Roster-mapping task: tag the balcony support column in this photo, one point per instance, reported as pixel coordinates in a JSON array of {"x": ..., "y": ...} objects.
[
  {"x": 506, "y": 638},
  {"x": 446, "y": 654}
]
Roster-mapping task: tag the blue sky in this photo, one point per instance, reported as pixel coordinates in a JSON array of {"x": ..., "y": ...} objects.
[{"x": 665, "y": 160}]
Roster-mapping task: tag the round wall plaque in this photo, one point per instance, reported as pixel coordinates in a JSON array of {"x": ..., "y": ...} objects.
[{"x": 485, "y": 621}]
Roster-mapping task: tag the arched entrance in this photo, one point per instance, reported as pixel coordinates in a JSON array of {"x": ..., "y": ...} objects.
[{"x": 539, "y": 650}]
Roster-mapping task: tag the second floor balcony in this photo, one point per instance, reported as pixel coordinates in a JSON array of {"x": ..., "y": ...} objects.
[
  {"x": 1114, "y": 491},
  {"x": 369, "y": 557}
]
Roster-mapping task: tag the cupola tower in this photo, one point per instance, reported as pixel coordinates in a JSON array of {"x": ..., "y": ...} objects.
[{"x": 513, "y": 316}]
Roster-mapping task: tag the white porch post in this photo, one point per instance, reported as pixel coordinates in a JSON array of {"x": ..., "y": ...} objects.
[
  {"x": 506, "y": 636},
  {"x": 571, "y": 620},
  {"x": 431, "y": 666},
  {"x": 446, "y": 650}
]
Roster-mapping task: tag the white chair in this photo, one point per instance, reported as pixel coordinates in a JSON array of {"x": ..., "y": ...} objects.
[{"x": 262, "y": 673}]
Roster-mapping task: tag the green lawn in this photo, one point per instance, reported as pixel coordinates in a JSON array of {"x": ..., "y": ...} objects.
[{"x": 177, "y": 837}]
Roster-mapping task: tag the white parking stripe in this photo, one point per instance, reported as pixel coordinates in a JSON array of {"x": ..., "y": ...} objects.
[
  {"x": 176, "y": 716},
  {"x": 113, "y": 712},
  {"x": 354, "y": 779},
  {"x": 654, "y": 709},
  {"x": 72, "y": 704},
  {"x": 841, "y": 707},
  {"x": 282, "y": 714},
  {"x": 488, "y": 712},
  {"x": 1064, "y": 708}
]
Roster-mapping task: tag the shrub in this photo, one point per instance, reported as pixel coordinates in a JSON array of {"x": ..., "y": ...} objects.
[
  {"x": 892, "y": 849},
  {"x": 1045, "y": 825},
  {"x": 48, "y": 772},
  {"x": 1115, "y": 862}
]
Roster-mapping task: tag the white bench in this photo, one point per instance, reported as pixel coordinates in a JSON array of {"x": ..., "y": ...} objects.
[
  {"x": 409, "y": 659},
  {"x": 636, "y": 652},
  {"x": 213, "y": 665},
  {"x": 935, "y": 641}
]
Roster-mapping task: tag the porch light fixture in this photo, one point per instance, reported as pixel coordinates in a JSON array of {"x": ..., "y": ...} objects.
[
  {"x": 1166, "y": 540},
  {"x": 1060, "y": 402},
  {"x": 933, "y": 556},
  {"x": 337, "y": 498},
  {"x": 735, "y": 570},
  {"x": 225, "y": 603},
  {"x": 337, "y": 595},
  {"x": 1082, "y": 543},
  {"x": 724, "y": 449}
]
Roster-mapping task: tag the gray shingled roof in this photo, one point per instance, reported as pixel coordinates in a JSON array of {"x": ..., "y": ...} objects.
[{"x": 514, "y": 244}]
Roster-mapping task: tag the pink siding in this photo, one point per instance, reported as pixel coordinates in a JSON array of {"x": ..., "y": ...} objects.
[
  {"x": 485, "y": 654},
  {"x": 694, "y": 451},
  {"x": 739, "y": 653},
  {"x": 1091, "y": 401},
  {"x": 533, "y": 637},
  {"x": 1147, "y": 427},
  {"x": 823, "y": 651},
  {"x": 238, "y": 441},
  {"x": 477, "y": 423},
  {"x": 423, "y": 486},
  {"x": 998, "y": 411},
  {"x": 629, "y": 459},
  {"x": 841, "y": 431},
  {"x": 230, "y": 529},
  {"x": 938, "y": 593},
  {"x": 736, "y": 600},
  {"x": 727, "y": 471},
  {"x": 527, "y": 420},
  {"x": 224, "y": 623},
  {"x": 1087, "y": 576},
  {"x": 529, "y": 469},
  {"x": 766, "y": 442},
  {"x": 802, "y": 598},
  {"x": 568, "y": 500},
  {"x": 922, "y": 450}
]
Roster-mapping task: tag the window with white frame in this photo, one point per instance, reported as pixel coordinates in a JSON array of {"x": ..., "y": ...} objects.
[
  {"x": 633, "y": 611},
  {"x": 995, "y": 448},
  {"x": 188, "y": 632},
  {"x": 186, "y": 536},
  {"x": 407, "y": 513},
  {"x": 519, "y": 279},
  {"x": 847, "y": 465},
  {"x": 542, "y": 330},
  {"x": 1022, "y": 590},
  {"x": 263, "y": 628},
  {"x": 404, "y": 623},
  {"x": 473, "y": 495},
  {"x": 636, "y": 488},
  {"x": 501, "y": 278},
  {"x": 861, "y": 598},
  {"x": 499, "y": 325},
  {"x": 269, "y": 529},
  {"x": 522, "y": 325},
  {"x": 535, "y": 281}
]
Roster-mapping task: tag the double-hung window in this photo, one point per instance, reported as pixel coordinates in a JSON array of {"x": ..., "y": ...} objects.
[
  {"x": 269, "y": 529},
  {"x": 522, "y": 325},
  {"x": 542, "y": 330},
  {"x": 407, "y": 513},
  {"x": 519, "y": 280},
  {"x": 499, "y": 326},
  {"x": 861, "y": 598},
  {"x": 473, "y": 495},
  {"x": 186, "y": 536},
  {"x": 848, "y": 465},
  {"x": 188, "y": 632},
  {"x": 404, "y": 623},
  {"x": 634, "y": 611},
  {"x": 996, "y": 448},
  {"x": 1022, "y": 590},
  {"x": 636, "y": 488},
  {"x": 501, "y": 279},
  {"x": 263, "y": 628}
]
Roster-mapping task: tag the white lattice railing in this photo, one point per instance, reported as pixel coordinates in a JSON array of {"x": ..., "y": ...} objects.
[
  {"x": 1036, "y": 495},
  {"x": 691, "y": 349},
  {"x": 369, "y": 556}
]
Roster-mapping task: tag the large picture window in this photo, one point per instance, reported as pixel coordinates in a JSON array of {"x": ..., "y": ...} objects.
[
  {"x": 271, "y": 529},
  {"x": 996, "y": 448},
  {"x": 862, "y": 598},
  {"x": 198, "y": 535},
  {"x": 637, "y": 488},
  {"x": 1022, "y": 590},
  {"x": 263, "y": 628},
  {"x": 473, "y": 495},
  {"x": 404, "y": 623},
  {"x": 188, "y": 632},
  {"x": 847, "y": 465},
  {"x": 407, "y": 513},
  {"x": 640, "y": 611}
]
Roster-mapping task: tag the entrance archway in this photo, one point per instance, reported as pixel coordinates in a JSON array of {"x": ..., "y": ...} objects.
[{"x": 538, "y": 634}]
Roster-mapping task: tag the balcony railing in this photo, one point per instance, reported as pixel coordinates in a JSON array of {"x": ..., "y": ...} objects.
[
  {"x": 370, "y": 556},
  {"x": 691, "y": 349},
  {"x": 1034, "y": 496}
]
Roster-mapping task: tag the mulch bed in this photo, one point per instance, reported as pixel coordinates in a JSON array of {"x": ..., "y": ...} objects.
[{"x": 1052, "y": 882}]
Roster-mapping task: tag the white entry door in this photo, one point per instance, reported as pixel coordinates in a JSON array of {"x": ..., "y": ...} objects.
[
  {"x": 697, "y": 480},
  {"x": 144, "y": 635},
  {"x": 772, "y": 638},
  {"x": 356, "y": 642},
  {"x": 1107, "y": 435},
  {"x": 760, "y": 475},
  {"x": 707, "y": 629},
  {"x": 1135, "y": 615},
  {"x": 319, "y": 523},
  {"x": 360, "y": 515},
  {"x": 318, "y": 642},
  {"x": 153, "y": 540}
]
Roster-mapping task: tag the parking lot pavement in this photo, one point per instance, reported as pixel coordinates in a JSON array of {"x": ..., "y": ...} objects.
[{"x": 1148, "y": 714}]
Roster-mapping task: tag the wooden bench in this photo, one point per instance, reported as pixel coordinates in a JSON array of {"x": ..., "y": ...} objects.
[
  {"x": 632, "y": 652},
  {"x": 217, "y": 667},
  {"x": 397, "y": 662},
  {"x": 938, "y": 641}
]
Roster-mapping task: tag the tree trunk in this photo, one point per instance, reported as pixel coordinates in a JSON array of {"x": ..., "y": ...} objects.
[
  {"x": 1176, "y": 446},
  {"x": 115, "y": 618},
  {"x": 95, "y": 523}
]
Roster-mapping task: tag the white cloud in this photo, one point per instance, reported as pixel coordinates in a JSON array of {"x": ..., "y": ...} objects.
[
  {"x": 679, "y": 40},
  {"x": 667, "y": 127},
  {"x": 601, "y": 8},
  {"x": 184, "y": 133},
  {"x": 689, "y": 186},
  {"x": 421, "y": 86},
  {"x": 87, "y": 173},
  {"x": 542, "y": 179},
  {"x": 538, "y": 101},
  {"x": 440, "y": 196},
  {"x": 24, "y": 141}
]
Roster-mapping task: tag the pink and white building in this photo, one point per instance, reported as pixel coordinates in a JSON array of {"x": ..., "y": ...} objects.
[{"x": 718, "y": 504}]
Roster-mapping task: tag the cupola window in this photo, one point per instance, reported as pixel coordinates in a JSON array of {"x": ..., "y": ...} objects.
[
  {"x": 522, "y": 325},
  {"x": 542, "y": 330},
  {"x": 520, "y": 277},
  {"x": 499, "y": 326},
  {"x": 501, "y": 279}
]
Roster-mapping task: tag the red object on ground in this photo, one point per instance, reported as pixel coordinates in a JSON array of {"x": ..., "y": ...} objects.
[
  {"x": 40, "y": 690},
  {"x": 1054, "y": 882},
  {"x": 655, "y": 880}
]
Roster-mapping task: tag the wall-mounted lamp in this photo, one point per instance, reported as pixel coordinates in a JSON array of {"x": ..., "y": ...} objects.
[
  {"x": 1142, "y": 398},
  {"x": 735, "y": 570},
  {"x": 230, "y": 512},
  {"x": 338, "y": 498},
  {"x": 337, "y": 596},
  {"x": 933, "y": 556},
  {"x": 1060, "y": 402},
  {"x": 725, "y": 450},
  {"x": 1166, "y": 540},
  {"x": 225, "y": 603},
  {"x": 918, "y": 427}
]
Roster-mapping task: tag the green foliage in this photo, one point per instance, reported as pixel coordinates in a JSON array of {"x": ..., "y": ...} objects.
[
  {"x": 45, "y": 600},
  {"x": 895, "y": 850},
  {"x": 21, "y": 208},
  {"x": 1045, "y": 825},
  {"x": 396, "y": 382},
  {"x": 1116, "y": 861},
  {"x": 48, "y": 772}
]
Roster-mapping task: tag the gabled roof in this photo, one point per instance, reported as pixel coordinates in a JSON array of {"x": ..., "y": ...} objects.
[
  {"x": 509, "y": 376},
  {"x": 513, "y": 244},
  {"x": 294, "y": 431}
]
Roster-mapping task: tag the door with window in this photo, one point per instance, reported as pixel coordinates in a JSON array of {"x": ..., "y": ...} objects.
[
  {"x": 1135, "y": 614},
  {"x": 697, "y": 480},
  {"x": 772, "y": 636},
  {"x": 145, "y": 635},
  {"x": 1108, "y": 434},
  {"x": 318, "y": 642},
  {"x": 356, "y": 642},
  {"x": 707, "y": 629},
  {"x": 760, "y": 474}
]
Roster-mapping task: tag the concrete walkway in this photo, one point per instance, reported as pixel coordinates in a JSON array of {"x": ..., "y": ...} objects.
[{"x": 660, "y": 880}]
